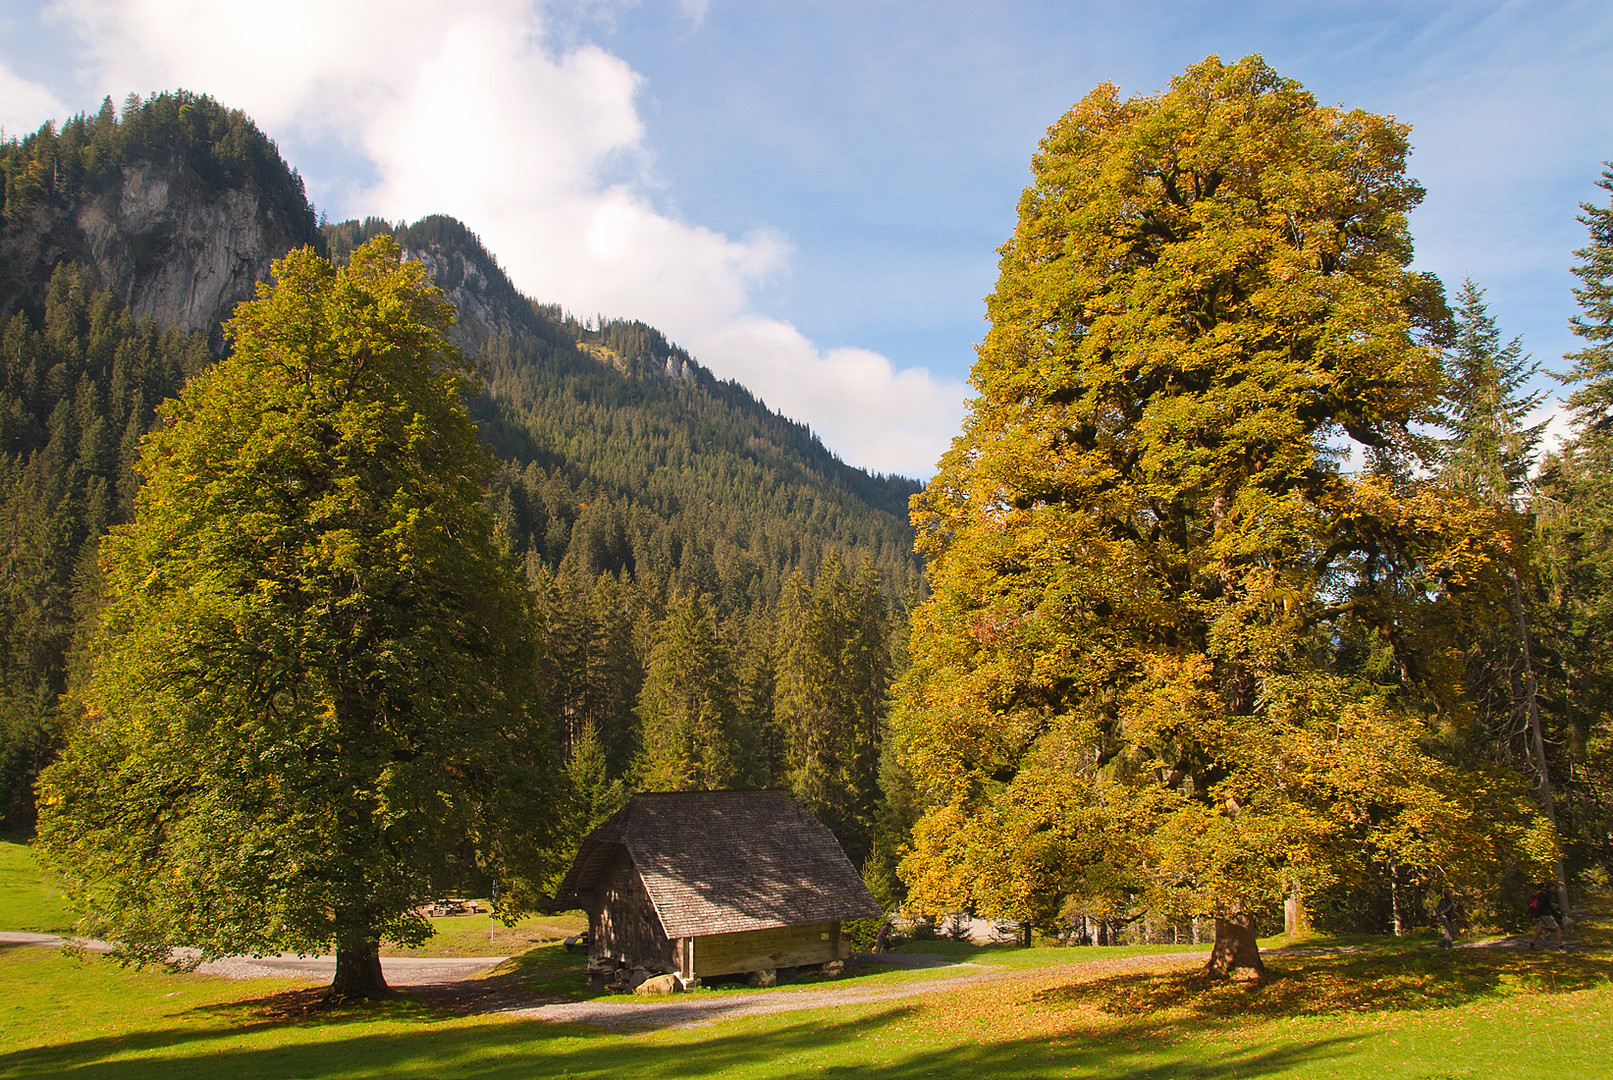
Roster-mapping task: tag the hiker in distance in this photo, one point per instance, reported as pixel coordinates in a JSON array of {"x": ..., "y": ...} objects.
[{"x": 1543, "y": 909}]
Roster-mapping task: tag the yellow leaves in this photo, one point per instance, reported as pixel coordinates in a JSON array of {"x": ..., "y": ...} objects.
[
  {"x": 1172, "y": 694},
  {"x": 1457, "y": 541},
  {"x": 1144, "y": 560},
  {"x": 936, "y": 877}
]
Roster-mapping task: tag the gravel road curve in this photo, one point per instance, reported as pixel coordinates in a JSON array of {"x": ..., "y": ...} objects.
[{"x": 399, "y": 970}]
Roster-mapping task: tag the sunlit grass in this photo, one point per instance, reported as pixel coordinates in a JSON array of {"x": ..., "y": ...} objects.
[
  {"x": 1396, "y": 1017},
  {"x": 1391, "y": 1009},
  {"x": 479, "y": 935},
  {"x": 29, "y": 897}
]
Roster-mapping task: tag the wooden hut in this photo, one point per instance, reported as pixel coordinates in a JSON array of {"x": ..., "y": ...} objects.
[{"x": 707, "y": 883}]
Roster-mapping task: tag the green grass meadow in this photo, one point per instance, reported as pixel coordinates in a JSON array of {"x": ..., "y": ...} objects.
[
  {"x": 478, "y": 935},
  {"x": 1398, "y": 1010},
  {"x": 29, "y": 899}
]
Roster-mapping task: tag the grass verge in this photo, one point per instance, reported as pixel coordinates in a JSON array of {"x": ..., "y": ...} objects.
[{"x": 478, "y": 935}]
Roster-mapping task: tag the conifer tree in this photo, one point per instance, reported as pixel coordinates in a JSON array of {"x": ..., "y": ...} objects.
[
  {"x": 831, "y": 683},
  {"x": 1576, "y": 491},
  {"x": 689, "y": 708},
  {"x": 599, "y": 795},
  {"x": 1489, "y": 456},
  {"x": 1491, "y": 449}
]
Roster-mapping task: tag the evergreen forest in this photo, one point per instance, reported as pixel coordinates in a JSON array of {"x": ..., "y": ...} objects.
[
  {"x": 666, "y": 522},
  {"x": 1148, "y": 650}
]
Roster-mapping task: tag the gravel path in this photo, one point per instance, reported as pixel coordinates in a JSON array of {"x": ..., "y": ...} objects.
[
  {"x": 701, "y": 1008},
  {"x": 14, "y": 937},
  {"x": 399, "y": 970}
]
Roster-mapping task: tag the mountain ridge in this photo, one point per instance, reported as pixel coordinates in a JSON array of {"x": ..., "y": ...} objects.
[{"x": 630, "y": 475}]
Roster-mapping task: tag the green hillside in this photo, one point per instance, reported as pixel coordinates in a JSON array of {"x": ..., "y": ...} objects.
[{"x": 634, "y": 484}]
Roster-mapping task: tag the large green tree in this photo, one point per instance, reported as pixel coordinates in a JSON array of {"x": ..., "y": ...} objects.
[
  {"x": 311, "y": 693},
  {"x": 1174, "y": 653}
]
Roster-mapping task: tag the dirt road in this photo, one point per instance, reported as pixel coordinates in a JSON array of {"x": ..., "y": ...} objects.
[
  {"x": 695, "y": 1010},
  {"x": 399, "y": 970}
]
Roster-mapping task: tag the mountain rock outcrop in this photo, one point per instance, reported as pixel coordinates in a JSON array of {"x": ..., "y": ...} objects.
[
  {"x": 179, "y": 208},
  {"x": 184, "y": 261}
]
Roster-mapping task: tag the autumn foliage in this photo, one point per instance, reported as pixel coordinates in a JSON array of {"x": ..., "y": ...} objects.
[{"x": 1178, "y": 659}]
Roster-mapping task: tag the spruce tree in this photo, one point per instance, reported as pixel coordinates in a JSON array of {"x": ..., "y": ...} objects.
[
  {"x": 1488, "y": 459},
  {"x": 831, "y": 682},
  {"x": 1576, "y": 512},
  {"x": 689, "y": 706}
]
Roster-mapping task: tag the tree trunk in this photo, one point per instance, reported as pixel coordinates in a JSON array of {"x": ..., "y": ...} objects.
[
  {"x": 1295, "y": 918},
  {"x": 1235, "y": 947},
  {"x": 358, "y": 973},
  {"x": 1025, "y": 934},
  {"x": 1531, "y": 694},
  {"x": 1399, "y": 922}
]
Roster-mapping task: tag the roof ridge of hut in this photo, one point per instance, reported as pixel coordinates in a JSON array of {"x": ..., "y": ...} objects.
[{"x": 760, "y": 861}]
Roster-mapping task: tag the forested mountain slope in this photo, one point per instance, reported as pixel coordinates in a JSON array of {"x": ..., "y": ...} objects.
[
  {"x": 177, "y": 207},
  {"x": 627, "y": 456},
  {"x": 124, "y": 241},
  {"x": 633, "y": 480}
]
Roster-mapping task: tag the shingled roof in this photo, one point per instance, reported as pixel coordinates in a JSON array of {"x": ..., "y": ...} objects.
[{"x": 718, "y": 862}]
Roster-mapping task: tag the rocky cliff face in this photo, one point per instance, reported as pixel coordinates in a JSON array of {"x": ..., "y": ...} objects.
[
  {"x": 183, "y": 258},
  {"x": 484, "y": 310}
]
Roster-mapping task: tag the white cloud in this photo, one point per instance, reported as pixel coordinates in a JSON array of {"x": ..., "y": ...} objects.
[
  {"x": 25, "y": 105},
  {"x": 467, "y": 109},
  {"x": 1559, "y": 421},
  {"x": 853, "y": 398}
]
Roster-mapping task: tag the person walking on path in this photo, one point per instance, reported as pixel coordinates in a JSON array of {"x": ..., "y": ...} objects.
[
  {"x": 1543, "y": 907},
  {"x": 1445, "y": 910},
  {"x": 882, "y": 940}
]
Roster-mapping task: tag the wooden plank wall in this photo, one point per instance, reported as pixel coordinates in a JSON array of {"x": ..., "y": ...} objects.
[
  {"x": 758, "y": 950},
  {"x": 626, "y": 928}
]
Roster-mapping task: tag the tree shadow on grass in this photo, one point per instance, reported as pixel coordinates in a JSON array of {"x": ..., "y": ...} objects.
[
  {"x": 1351, "y": 983},
  {"x": 875, "y": 1043}
]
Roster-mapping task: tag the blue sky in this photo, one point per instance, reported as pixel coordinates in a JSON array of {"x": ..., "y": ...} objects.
[{"x": 809, "y": 195}]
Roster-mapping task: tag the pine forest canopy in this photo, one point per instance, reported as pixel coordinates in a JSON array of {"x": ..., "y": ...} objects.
[{"x": 1175, "y": 659}]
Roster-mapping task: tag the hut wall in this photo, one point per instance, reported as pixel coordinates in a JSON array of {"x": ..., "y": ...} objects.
[
  {"x": 625, "y": 927},
  {"x": 758, "y": 950}
]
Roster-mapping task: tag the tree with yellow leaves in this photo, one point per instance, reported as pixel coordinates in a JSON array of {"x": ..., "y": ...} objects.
[{"x": 1174, "y": 652}]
